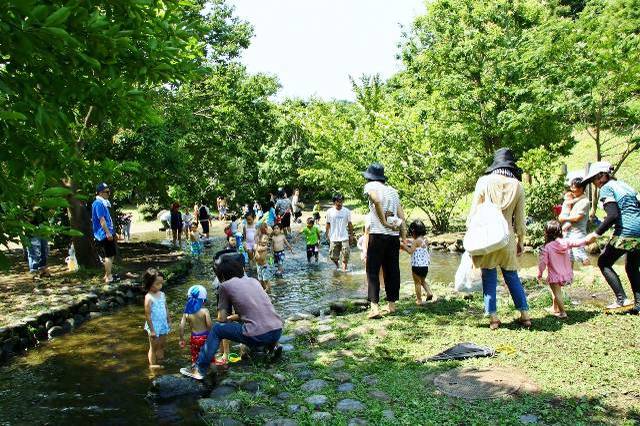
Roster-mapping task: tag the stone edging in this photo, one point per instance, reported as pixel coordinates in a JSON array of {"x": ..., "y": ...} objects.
[{"x": 16, "y": 338}]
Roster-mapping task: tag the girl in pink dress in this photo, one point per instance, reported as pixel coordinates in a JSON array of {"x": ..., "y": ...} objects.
[{"x": 555, "y": 257}]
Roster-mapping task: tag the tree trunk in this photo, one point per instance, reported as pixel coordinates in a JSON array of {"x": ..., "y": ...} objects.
[{"x": 81, "y": 220}]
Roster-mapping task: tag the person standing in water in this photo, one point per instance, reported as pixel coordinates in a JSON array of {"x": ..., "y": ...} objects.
[{"x": 339, "y": 231}]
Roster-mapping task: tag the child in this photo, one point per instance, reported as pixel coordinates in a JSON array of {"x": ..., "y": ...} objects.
[
  {"x": 316, "y": 211},
  {"x": 271, "y": 214},
  {"x": 232, "y": 244},
  {"x": 249, "y": 236},
  {"x": 194, "y": 238},
  {"x": 312, "y": 236},
  {"x": 279, "y": 243},
  {"x": 264, "y": 273},
  {"x": 556, "y": 258},
  {"x": 233, "y": 226},
  {"x": 420, "y": 260},
  {"x": 156, "y": 312},
  {"x": 187, "y": 221},
  {"x": 198, "y": 318}
]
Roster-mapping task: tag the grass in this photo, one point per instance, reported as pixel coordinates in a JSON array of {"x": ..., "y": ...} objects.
[{"x": 585, "y": 367}]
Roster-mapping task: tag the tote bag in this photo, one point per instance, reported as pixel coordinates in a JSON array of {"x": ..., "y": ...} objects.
[{"x": 487, "y": 231}]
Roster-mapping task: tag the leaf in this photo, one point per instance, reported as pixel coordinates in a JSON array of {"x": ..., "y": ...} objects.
[
  {"x": 58, "y": 17},
  {"x": 39, "y": 12},
  {"x": 53, "y": 203},
  {"x": 12, "y": 115},
  {"x": 91, "y": 61},
  {"x": 72, "y": 233},
  {"x": 57, "y": 191}
]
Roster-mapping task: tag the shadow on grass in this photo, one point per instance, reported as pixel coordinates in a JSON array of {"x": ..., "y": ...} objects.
[{"x": 550, "y": 323}]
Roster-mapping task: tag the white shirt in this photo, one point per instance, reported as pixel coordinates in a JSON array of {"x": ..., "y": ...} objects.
[
  {"x": 294, "y": 203},
  {"x": 338, "y": 221},
  {"x": 390, "y": 201}
]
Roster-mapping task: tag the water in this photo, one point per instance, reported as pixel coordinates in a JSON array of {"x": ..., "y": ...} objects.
[{"x": 99, "y": 374}]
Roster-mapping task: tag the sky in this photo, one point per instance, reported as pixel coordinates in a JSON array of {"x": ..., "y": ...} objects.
[{"x": 313, "y": 46}]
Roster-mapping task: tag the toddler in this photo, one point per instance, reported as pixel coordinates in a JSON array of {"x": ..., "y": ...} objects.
[
  {"x": 194, "y": 238},
  {"x": 157, "y": 316},
  {"x": 555, "y": 257},
  {"x": 279, "y": 242},
  {"x": 316, "y": 211},
  {"x": 420, "y": 260},
  {"x": 264, "y": 273},
  {"x": 249, "y": 236},
  {"x": 198, "y": 319},
  {"x": 312, "y": 236}
]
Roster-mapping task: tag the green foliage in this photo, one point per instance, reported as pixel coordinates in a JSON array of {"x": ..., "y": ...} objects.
[{"x": 546, "y": 189}]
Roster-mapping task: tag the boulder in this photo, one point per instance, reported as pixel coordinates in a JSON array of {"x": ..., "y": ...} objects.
[
  {"x": 314, "y": 385},
  {"x": 338, "y": 307},
  {"x": 317, "y": 401},
  {"x": 207, "y": 405},
  {"x": 55, "y": 331},
  {"x": 347, "y": 405},
  {"x": 173, "y": 386}
]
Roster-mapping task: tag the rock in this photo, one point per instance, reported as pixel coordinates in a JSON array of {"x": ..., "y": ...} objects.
[
  {"x": 250, "y": 387},
  {"x": 49, "y": 324},
  {"x": 281, "y": 422},
  {"x": 222, "y": 392},
  {"x": 302, "y": 331},
  {"x": 389, "y": 415},
  {"x": 93, "y": 307},
  {"x": 260, "y": 411},
  {"x": 380, "y": 395},
  {"x": 338, "y": 307},
  {"x": 230, "y": 382},
  {"x": 227, "y": 421},
  {"x": 347, "y": 405},
  {"x": 69, "y": 324},
  {"x": 324, "y": 328},
  {"x": 327, "y": 338},
  {"x": 120, "y": 300},
  {"x": 284, "y": 396},
  {"x": 338, "y": 364},
  {"x": 103, "y": 305},
  {"x": 320, "y": 416},
  {"x": 317, "y": 400},
  {"x": 172, "y": 386},
  {"x": 279, "y": 377},
  {"x": 314, "y": 385},
  {"x": 83, "y": 309},
  {"x": 79, "y": 319},
  {"x": 94, "y": 315},
  {"x": 129, "y": 294},
  {"x": 286, "y": 339},
  {"x": 207, "y": 405},
  {"x": 55, "y": 331},
  {"x": 370, "y": 380},
  {"x": 356, "y": 421},
  {"x": 294, "y": 408},
  {"x": 345, "y": 387},
  {"x": 309, "y": 355},
  {"x": 305, "y": 374},
  {"x": 452, "y": 248},
  {"x": 287, "y": 348},
  {"x": 528, "y": 419},
  {"x": 342, "y": 376}
]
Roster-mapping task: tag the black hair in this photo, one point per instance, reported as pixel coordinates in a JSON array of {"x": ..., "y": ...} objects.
[
  {"x": 576, "y": 182},
  {"x": 310, "y": 220},
  {"x": 249, "y": 214},
  {"x": 337, "y": 197},
  {"x": 149, "y": 277},
  {"x": 229, "y": 266},
  {"x": 417, "y": 229},
  {"x": 271, "y": 204},
  {"x": 552, "y": 231},
  {"x": 234, "y": 217},
  {"x": 277, "y": 225}
]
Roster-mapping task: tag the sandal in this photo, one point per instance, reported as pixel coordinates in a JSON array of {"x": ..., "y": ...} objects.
[
  {"x": 494, "y": 324},
  {"x": 376, "y": 315},
  {"x": 524, "y": 323},
  {"x": 429, "y": 297}
]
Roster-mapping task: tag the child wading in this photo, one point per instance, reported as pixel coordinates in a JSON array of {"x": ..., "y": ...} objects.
[
  {"x": 198, "y": 318},
  {"x": 263, "y": 247},
  {"x": 249, "y": 236},
  {"x": 420, "y": 259},
  {"x": 194, "y": 237},
  {"x": 279, "y": 242},
  {"x": 157, "y": 315},
  {"x": 556, "y": 258},
  {"x": 312, "y": 236}
]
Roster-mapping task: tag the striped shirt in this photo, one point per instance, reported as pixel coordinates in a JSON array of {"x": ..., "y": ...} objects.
[
  {"x": 628, "y": 224},
  {"x": 390, "y": 202}
]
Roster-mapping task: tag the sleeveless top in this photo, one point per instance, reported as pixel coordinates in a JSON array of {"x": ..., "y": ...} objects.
[
  {"x": 158, "y": 315},
  {"x": 421, "y": 257},
  {"x": 250, "y": 235}
]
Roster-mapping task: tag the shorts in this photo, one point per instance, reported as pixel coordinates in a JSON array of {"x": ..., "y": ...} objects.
[
  {"x": 316, "y": 216},
  {"x": 420, "y": 271},
  {"x": 205, "y": 226},
  {"x": 278, "y": 257},
  {"x": 197, "y": 341},
  {"x": 285, "y": 220},
  {"x": 339, "y": 248},
  {"x": 196, "y": 248},
  {"x": 578, "y": 254},
  {"x": 312, "y": 251},
  {"x": 107, "y": 247},
  {"x": 264, "y": 272}
]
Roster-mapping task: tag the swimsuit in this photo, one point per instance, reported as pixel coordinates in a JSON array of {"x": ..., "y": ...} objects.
[
  {"x": 251, "y": 237},
  {"x": 158, "y": 316},
  {"x": 279, "y": 257},
  {"x": 197, "y": 341}
]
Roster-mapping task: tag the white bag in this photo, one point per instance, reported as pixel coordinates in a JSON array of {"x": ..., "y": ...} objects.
[
  {"x": 487, "y": 230},
  {"x": 468, "y": 278}
]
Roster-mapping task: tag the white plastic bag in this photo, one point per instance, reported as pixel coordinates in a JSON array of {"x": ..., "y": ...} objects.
[
  {"x": 487, "y": 230},
  {"x": 468, "y": 278}
]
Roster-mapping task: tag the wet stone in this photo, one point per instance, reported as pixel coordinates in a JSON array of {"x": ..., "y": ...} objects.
[
  {"x": 337, "y": 364},
  {"x": 227, "y": 421},
  {"x": 222, "y": 392},
  {"x": 208, "y": 405},
  {"x": 327, "y": 338},
  {"x": 55, "y": 331},
  {"x": 279, "y": 377},
  {"x": 314, "y": 385},
  {"x": 320, "y": 416},
  {"x": 317, "y": 400},
  {"x": 345, "y": 387},
  {"x": 294, "y": 408},
  {"x": 230, "y": 382},
  {"x": 287, "y": 348},
  {"x": 356, "y": 421},
  {"x": 251, "y": 387},
  {"x": 347, "y": 405},
  {"x": 281, "y": 422},
  {"x": 342, "y": 376},
  {"x": 305, "y": 374},
  {"x": 309, "y": 355},
  {"x": 172, "y": 386},
  {"x": 286, "y": 339},
  {"x": 528, "y": 419},
  {"x": 302, "y": 331},
  {"x": 260, "y": 411},
  {"x": 380, "y": 395},
  {"x": 284, "y": 395},
  {"x": 370, "y": 380},
  {"x": 323, "y": 328},
  {"x": 389, "y": 415}
]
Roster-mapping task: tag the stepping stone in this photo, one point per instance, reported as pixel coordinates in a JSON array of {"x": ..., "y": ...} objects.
[
  {"x": 309, "y": 355},
  {"x": 287, "y": 348},
  {"x": 347, "y": 405},
  {"x": 284, "y": 395},
  {"x": 302, "y": 331},
  {"x": 279, "y": 377},
  {"x": 222, "y": 392},
  {"x": 356, "y": 421},
  {"x": 338, "y": 364},
  {"x": 325, "y": 321},
  {"x": 260, "y": 411},
  {"x": 286, "y": 339},
  {"x": 389, "y": 415},
  {"x": 251, "y": 387},
  {"x": 323, "y": 328},
  {"x": 342, "y": 376},
  {"x": 380, "y": 395},
  {"x": 320, "y": 416},
  {"x": 227, "y": 421},
  {"x": 305, "y": 374},
  {"x": 528, "y": 419},
  {"x": 294, "y": 408},
  {"x": 317, "y": 400},
  {"x": 370, "y": 380},
  {"x": 173, "y": 386},
  {"x": 207, "y": 405},
  {"x": 314, "y": 385},
  {"x": 281, "y": 422},
  {"x": 326, "y": 338},
  {"x": 345, "y": 387}
]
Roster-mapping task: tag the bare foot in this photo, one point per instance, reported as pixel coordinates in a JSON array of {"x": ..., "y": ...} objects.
[{"x": 156, "y": 366}]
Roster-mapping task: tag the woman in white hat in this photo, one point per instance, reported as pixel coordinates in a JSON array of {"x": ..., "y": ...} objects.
[{"x": 621, "y": 204}]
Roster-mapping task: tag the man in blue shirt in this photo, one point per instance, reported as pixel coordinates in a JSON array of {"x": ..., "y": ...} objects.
[{"x": 103, "y": 231}]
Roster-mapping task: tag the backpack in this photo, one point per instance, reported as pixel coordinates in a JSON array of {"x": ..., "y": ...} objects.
[{"x": 487, "y": 230}]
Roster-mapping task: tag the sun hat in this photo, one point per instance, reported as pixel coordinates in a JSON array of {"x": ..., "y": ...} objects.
[
  {"x": 595, "y": 169},
  {"x": 375, "y": 172},
  {"x": 504, "y": 159},
  {"x": 101, "y": 187},
  {"x": 196, "y": 296}
]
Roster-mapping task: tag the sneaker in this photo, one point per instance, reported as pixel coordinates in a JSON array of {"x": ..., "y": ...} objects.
[
  {"x": 617, "y": 307},
  {"x": 192, "y": 372},
  {"x": 275, "y": 352}
]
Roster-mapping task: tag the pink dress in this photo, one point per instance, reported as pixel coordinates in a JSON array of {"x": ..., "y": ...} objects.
[{"x": 556, "y": 258}]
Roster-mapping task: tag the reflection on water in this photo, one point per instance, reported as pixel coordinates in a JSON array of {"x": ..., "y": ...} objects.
[{"x": 99, "y": 374}]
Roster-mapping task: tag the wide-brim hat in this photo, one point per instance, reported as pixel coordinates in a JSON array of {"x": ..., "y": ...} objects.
[
  {"x": 595, "y": 169},
  {"x": 504, "y": 159},
  {"x": 375, "y": 172}
]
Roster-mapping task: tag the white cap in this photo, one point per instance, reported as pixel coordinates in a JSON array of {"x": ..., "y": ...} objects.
[{"x": 595, "y": 169}]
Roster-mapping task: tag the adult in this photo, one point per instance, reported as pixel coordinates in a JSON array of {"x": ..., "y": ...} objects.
[
  {"x": 295, "y": 206},
  {"x": 103, "y": 231},
  {"x": 501, "y": 185},
  {"x": 204, "y": 217},
  {"x": 283, "y": 211},
  {"x": 620, "y": 202},
  {"x": 37, "y": 246},
  {"x": 176, "y": 223},
  {"x": 339, "y": 230},
  {"x": 383, "y": 248},
  {"x": 255, "y": 322},
  {"x": 575, "y": 217}
]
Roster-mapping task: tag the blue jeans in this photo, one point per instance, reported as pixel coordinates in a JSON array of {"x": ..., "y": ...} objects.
[
  {"x": 37, "y": 253},
  {"x": 489, "y": 284},
  {"x": 231, "y": 331}
]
